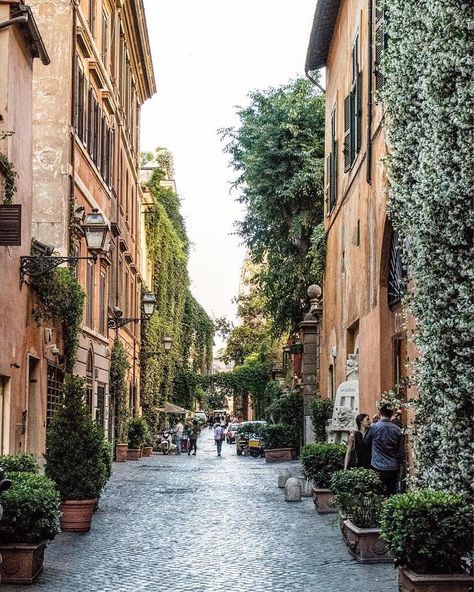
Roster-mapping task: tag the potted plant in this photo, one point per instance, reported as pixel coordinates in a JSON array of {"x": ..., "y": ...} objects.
[
  {"x": 358, "y": 497},
  {"x": 148, "y": 442},
  {"x": 320, "y": 460},
  {"x": 281, "y": 442},
  {"x": 321, "y": 412},
  {"x": 118, "y": 394},
  {"x": 30, "y": 518},
  {"x": 137, "y": 432},
  {"x": 20, "y": 462},
  {"x": 429, "y": 534},
  {"x": 75, "y": 458}
]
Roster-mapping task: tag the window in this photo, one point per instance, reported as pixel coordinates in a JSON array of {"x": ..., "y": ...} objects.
[
  {"x": 90, "y": 295},
  {"x": 103, "y": 302},
  {"x": 396, "y": 272},
  {"x": 105, "y": 38},
  {"x": 100, "y": 412},
  {"x": 92, "y": 12},
  {"x": 91, "y": 133},
  {"x": 353, "y": 112},
  {"x": 80, "y": 112},
  {"x": 54, "y": 387},
  {"x": 380, "y": 42},
  {"x": 89, "y": 380},
  {"x": 331, "y": 168}
]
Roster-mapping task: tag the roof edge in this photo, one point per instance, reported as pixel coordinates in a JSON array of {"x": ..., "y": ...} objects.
[{"x": 322, "y": 32}]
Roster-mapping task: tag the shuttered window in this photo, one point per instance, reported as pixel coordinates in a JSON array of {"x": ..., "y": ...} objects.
[
  {"x": 80, "y": 102},
  {"x": 331, "y": 167},
  {"x": 353, "y": 112}
]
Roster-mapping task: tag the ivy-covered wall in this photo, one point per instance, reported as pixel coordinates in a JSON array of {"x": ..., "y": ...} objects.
[
  {"x": 429, "y": 97},
  {"x": 177, "y": 313}
]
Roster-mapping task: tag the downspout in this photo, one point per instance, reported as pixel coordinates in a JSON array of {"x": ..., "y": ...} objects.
[
  {"x": 72, "y": 158},
  {"x": 369, "y": 92},
  {"x": 314, "y": 81},
  {"x": 14, "y": 21}
]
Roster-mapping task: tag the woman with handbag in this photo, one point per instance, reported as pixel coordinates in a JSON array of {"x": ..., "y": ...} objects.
[{"x": 358, "y": 453}]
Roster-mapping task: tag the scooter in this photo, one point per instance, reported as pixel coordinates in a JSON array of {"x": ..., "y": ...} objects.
[{"x": 166, "y": 442}]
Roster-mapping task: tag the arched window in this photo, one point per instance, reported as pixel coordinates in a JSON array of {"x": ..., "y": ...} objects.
[
  {"x": 396, "y": 272},
  {"x": 89, "y": 379}
]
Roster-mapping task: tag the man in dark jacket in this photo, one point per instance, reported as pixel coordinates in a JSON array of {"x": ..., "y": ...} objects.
[{"x": 384, "y": 438}]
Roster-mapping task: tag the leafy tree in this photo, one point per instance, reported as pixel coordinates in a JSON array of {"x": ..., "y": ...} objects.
[{"x": 278, "y": 153}]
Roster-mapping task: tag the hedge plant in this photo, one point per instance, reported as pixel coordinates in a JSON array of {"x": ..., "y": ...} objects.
[
  {"x": 30, "y": 509},
  {"x": 118, "y": 387},
  {"x": 427, "y": 94},
  {"x": 428, "y": 531},
  {"x": 138, "y": 432},
  {"x": 358, "y": 496},
  {"x": 321, "y": 412},
  {"x": 280, "y": 435},
  {"x": 75, "y": 449},
  {"x": 320, "y": 460},
  {"x": 20, "y": 462}
]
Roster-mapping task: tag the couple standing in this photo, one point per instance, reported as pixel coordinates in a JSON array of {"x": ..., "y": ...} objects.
[{"x": 377, "y": 446}]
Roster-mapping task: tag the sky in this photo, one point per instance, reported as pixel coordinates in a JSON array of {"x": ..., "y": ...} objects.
[{"x": 207, "y": 56}]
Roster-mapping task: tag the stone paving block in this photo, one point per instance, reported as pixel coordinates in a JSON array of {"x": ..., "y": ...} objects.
[{"x": 197, "y": 523}]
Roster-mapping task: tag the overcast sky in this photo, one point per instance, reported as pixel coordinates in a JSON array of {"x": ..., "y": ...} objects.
[{"x": 207, "y": 55}]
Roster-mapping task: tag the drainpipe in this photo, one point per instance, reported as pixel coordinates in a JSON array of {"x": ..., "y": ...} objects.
[
  {"x": 14, "y": 21},
  {"x": 72, "y": 181},
  {"x": 314, "y": 81},
  {"x": 369, "y": 92}
]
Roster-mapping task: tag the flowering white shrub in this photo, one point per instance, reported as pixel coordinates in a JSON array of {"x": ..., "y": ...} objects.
[{"x": 429, "y": 97}]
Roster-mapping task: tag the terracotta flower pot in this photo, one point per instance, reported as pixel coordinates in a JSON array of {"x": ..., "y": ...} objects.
[
  {"x": 21, "y": 562},
  {"x": 133, "y": 454},
  {"x": 410, "y": 581},
  {"x": 147, "y": 451},
  {"x": 364, "y": 544},
  {"x": 279, "y": 454},
  {"x": 121, "y": 452},
  {"x": 322, "y": 499},
  {"x": 76, "y": 515}
]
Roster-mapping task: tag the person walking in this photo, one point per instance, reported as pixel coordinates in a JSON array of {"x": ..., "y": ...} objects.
[
  {"x": 178, "y": 431},
  {"x": 218, "y": 437},
  {"x": 384, "y": 439},
  {"x": 358, "y": 451},
  {"x": 194, "y": 432}
]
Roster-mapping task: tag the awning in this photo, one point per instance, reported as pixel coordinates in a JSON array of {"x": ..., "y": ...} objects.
[{"x": 170, "y": 408}]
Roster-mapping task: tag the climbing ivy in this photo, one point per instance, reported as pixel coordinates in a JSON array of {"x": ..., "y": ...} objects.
[
  {"x": 428, "y": 96},
  {"x": 9, "y": 183},
  {"x": 60, "y": 300},
  {"x": 118, "y": 388},
  {"x": 167, "y": 376}
]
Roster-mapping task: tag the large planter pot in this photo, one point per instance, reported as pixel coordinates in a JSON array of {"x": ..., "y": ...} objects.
[
  {"x": 76, "y": 515},
  {"x": 21, "y": 562},
  {"x": 147, "y": 451},
  {"x": 364, "y": 544},
  {"x": 280, "y": 454},
  {"x": 121, "y": 452},
  {"x": 322, "y": 499},
  {"x": 133, "y": 454},
  {"x": 409, "y": 581}
]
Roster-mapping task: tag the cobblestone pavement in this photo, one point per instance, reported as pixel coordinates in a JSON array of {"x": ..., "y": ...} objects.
[{"x": 205, "y": 524}]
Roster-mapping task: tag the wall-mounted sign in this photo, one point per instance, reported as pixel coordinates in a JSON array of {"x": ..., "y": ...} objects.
[{"x": 10, "y": 225}]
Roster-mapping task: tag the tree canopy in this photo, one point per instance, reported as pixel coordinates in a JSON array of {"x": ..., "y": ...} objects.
[{"x": 278, "y": 154}]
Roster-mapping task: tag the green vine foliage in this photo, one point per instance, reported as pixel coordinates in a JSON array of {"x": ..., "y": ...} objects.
[
  {"x": 118, "y": 387},
  {"x": 177, "y": 313},
  {"x": 428, "y": 95},
  {"x": 9, "y": 183},
  {"x": 60, "y": 300}
]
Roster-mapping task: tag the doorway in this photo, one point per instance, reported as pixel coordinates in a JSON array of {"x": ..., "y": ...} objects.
[{"x": 34, "y": 420}]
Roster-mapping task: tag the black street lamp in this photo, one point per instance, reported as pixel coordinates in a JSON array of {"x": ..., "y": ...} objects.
[
  {"x": 117, "y": 319},
  {"x": 167, "y": 343},
  {"x": 95, "y": 230}
]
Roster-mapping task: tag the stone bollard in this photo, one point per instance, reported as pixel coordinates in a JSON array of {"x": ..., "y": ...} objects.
[
  {"x": 293, "y": 490},
  {"x": 306, "y": 487},
  {"x": 283, "y": 478}
]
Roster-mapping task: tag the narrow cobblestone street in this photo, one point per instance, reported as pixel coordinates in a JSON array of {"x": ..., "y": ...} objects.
[{"x": 205, "y": 523}]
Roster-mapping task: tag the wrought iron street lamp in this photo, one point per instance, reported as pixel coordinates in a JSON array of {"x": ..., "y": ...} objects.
[
  {"x": 117, "y": 319},
  {"x": 167, "y": 343},
  {"x": 148, "y": 302},
  {"x": 42, "y": 261}
]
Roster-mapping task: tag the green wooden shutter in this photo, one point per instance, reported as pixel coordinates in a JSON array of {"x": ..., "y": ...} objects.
[
  {"x": 327, "y": 195},
  {"x": 347, "y": 133},
  {"x": 333, "y": 179},
  {"x": 358, "y": 114},
  {"x": 380, "y": 44}
]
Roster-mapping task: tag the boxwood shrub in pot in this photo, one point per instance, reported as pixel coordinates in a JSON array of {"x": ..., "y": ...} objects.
[
  {"x": 281, "y": 442},
  {"x": 137, "y": 435},
  {"x": 30, "y": 517},
  {"x": 75, "y": 458},
  {"x": 320, "y": 460},
  {"x": 428, "y": 531},
  {"x": 19, "y": 462}
]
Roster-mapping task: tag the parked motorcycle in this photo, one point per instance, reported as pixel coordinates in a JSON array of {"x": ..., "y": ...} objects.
[{"x": 165, "y": 444}]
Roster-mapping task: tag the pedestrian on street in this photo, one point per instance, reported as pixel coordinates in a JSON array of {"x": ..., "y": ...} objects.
[
  {"x": 384, "y": 439},
  {"x": 218, "y": 437},
  {"x": 358, "y": 450},
  {"x": 178, "y": 430},
  {"x": 194, "y": 431}
]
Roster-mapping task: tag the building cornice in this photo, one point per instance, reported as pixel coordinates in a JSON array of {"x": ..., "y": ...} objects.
[{"x": 324, "y": 22}]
